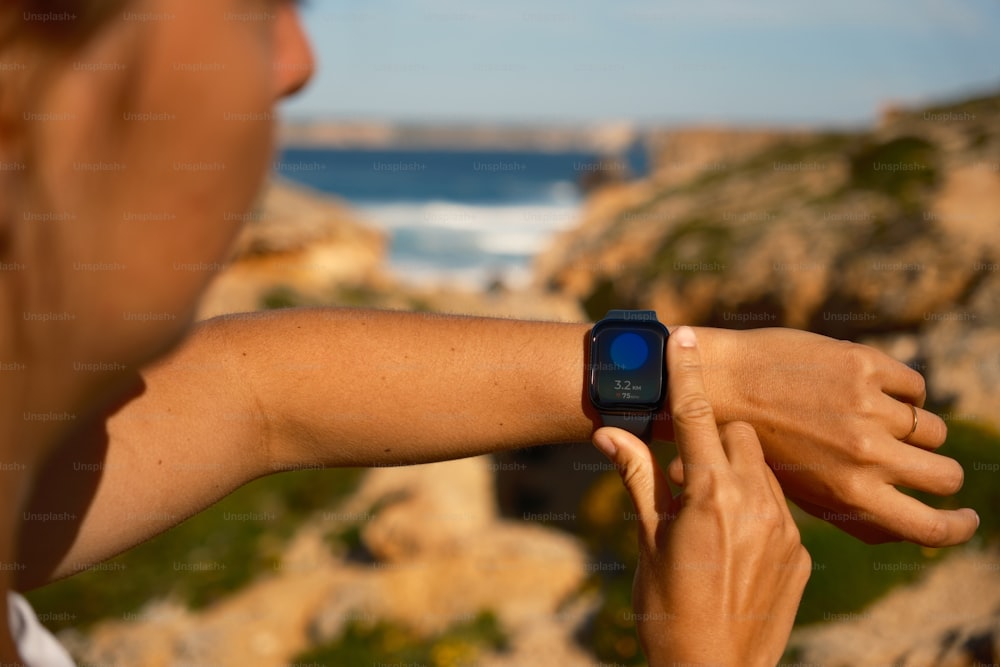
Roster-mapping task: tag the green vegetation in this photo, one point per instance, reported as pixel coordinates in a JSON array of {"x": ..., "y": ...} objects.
[
  {"x": 848, "y": 574},
  {"x": 280, "y": 296},
  {"x": 356, "y": 296},
  {"x": 349, "y": 296},
  {"x": 603, "y": 298},
  {"x": 346, "y": 539},
  {"x": 389, "y": 643},
  {"x": 984, "y": 108},
  {"x": 903, "y": 168},
  {"x": 608, "y": 528},
  {"x": 977, "y": 448},
  {"x": 612, "y": 635},
  {"x": 822, "y": 149},
  {"x": 202, "y": 559},
  {"x": 699, "y": 241}
]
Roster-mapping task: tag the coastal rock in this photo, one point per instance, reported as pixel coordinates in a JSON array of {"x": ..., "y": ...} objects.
[
  {"x": 441, "y": 552},
  {"x": 301, "y": 247},
  {"x": 963, "y": 369},
  {"x": 422, "y": 510},
  {"x": 795, "y": 229},
  {"x": 678, "y": 156},
  {"x": 603, "y": 172},
  {"x": 847, "y": 235},
  {"x": 300, "y": 240},
  {"x": 437, "y": 555},
  {"x": 950, "y": 618}
]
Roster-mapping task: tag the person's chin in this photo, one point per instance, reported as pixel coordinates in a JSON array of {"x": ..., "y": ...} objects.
[
  {"x": 145, "y": 341},
  {"x": 171, "y": 337}
]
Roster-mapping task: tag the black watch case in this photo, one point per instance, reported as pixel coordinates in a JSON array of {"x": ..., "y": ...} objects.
[{"x": 627, "y": 369}]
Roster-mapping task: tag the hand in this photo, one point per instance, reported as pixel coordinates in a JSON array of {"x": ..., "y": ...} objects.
[
  {"x": 721, "y": 567},
  {"x": 834, "y": 420}
]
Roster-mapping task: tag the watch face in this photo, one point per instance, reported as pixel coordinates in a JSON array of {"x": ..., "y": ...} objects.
[{"x": 627, "y": 369}]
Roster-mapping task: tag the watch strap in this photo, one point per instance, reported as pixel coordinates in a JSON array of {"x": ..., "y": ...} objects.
[
  {"x": 639, "y": 424},
  {"x": 632, "y": 315}
]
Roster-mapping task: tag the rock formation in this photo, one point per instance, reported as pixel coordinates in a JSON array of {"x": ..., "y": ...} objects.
[
  {"x": 297, "y": 239},
  {"x": 873, "y": 234},
  {"x": 435, "y": 553},
  {"x": 951, "y": 618}
]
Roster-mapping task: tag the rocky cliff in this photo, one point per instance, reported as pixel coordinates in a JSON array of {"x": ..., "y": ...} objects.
[
  {"x": 298, "y": 239},
  {"x": 870, "y": 236},
  {"x": 429, "y": 551}
]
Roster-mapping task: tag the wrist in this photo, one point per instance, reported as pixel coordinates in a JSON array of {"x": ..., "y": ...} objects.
[
  {"x": 720, "y": 360},
  {"x": 720, "y": 357}
]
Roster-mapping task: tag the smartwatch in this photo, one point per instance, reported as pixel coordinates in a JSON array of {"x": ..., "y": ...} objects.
[{"x": 627, "y": 369}]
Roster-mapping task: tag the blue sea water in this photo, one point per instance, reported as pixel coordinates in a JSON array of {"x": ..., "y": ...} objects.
[{"x": 463, "y": 218}]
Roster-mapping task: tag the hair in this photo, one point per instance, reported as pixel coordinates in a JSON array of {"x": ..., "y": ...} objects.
[
  {"x": 39, "y": 34},
  {"x": 54, "y": 24}
]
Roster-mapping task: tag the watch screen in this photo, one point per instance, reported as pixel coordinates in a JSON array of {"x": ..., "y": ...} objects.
[{"x": 628, "y": 365}]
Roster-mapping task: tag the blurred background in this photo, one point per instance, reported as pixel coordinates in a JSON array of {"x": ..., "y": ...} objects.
[
  {"x": 833, "y": 167},
  {"x": 553, "y": 86}
]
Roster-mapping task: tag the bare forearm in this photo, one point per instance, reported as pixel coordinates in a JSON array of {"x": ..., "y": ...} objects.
[
  {"x": 357, "y": 387},
  {"x": 249, "y": 395}
]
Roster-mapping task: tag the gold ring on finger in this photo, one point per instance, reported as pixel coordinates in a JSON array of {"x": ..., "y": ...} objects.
[{"x": 913, "y": 429}]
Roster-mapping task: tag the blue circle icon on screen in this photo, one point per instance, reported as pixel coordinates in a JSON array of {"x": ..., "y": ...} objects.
[{"x": 629, "y": 351}]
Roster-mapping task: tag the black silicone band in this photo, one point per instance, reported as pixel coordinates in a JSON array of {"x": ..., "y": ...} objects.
[
  {"x": 632, "y": 315},
  {"x": 639, "y": 424}
]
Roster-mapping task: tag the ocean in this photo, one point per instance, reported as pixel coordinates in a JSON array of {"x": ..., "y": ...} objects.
[{"x": 457, "y": 218}]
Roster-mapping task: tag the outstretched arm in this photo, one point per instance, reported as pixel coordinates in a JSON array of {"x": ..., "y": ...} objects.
[{"x": 249, "y": 395}]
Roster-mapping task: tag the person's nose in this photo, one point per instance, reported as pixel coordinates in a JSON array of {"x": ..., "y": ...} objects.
[{"x": 294, "y": 62}]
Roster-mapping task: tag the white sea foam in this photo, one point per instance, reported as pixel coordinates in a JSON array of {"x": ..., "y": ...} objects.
[
  {"x": 475, "y": 217},
  {"x": 440, "y": 242}
]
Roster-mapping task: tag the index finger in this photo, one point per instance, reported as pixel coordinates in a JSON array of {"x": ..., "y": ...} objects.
[{"x": 695, "y": 430}]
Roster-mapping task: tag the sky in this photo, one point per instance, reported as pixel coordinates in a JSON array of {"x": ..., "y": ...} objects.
[{"x": 808, "y": 62}]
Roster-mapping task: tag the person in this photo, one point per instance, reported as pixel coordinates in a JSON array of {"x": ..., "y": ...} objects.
[{"x": 133, "y": 139}]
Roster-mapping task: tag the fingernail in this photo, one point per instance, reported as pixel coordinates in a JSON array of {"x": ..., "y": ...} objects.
[
  {"x": 977, "y": 518},
  {"x": 685, "y": 337},
  {"x": 607, "y": 446}
]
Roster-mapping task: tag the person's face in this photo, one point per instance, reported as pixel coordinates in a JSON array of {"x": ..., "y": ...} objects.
[{"x": 151, "y": 144}]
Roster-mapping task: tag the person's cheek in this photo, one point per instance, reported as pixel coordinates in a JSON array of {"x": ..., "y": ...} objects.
[{"x": 202, "y": 168}]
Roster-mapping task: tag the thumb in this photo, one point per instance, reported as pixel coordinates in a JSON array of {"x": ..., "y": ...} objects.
[{"x": 642, "y": 476}]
